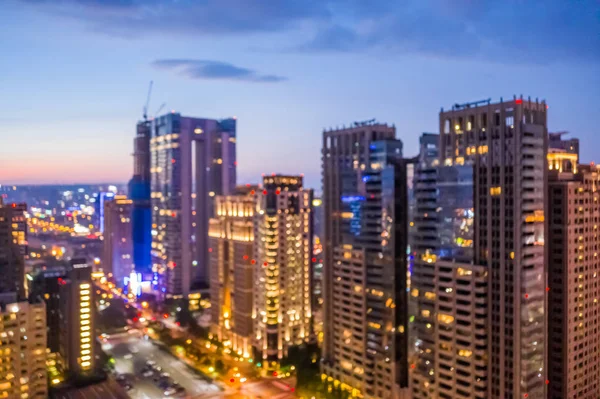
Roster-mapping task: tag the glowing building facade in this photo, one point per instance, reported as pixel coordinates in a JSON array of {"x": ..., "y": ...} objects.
[
  {"x": 77, "y": 345},
  {"x": 231, "y": 242},
  {"x": 22, "y": 349},
  {"x": 283, "y": 236}
]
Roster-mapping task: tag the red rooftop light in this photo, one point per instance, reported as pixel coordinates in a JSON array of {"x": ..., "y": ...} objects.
[
  {"x": 265, "y": 264},
  {"x": 252, "y": 192},
  {"x": 277, "y": 192},
  {"x": 519, "y": 101},
  {"x": 526, "y": 296},
  {"x": 265, "y": 192},
  {"x": 245, "y": 257},
  {"x": 253, "y": 261}
]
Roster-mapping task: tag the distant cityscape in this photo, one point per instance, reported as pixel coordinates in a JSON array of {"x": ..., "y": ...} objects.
[{"x": 465, "y": 268}]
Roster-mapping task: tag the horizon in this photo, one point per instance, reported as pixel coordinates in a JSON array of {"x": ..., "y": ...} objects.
[{"x": 69, "y": 111}]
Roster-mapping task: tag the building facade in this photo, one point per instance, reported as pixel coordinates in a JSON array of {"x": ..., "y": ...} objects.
[
  {"x": 231, "y": 242},
  {"x": 77, "y": 308},
  {"x": 12, "y": 263},
  {"x": 283, "y": 229},
  {"x": 191, "y": 161},
  {"x": 365, "y": 271},
  {"x": 506, "y": 145},
  {"x": 574, "y": 291},
  {"x": 117, "y": 254},
  {"x": 22, "y": 348},
  {"x": 139, "y": 192}
]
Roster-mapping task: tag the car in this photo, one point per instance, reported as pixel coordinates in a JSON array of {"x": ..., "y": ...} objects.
[
  {"x": 170, "y": 391},
  {"x": 121, "y": 377},
  {"x": 147, "y": 373},
  {"x": 128, "y": 356},
  {"x": 165, "y": 375},
  {"x": 150, "y": 363}
]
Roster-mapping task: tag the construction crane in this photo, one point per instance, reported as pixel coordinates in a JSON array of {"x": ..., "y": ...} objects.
[
  {"x": 147, "y": 102},
  {"x": 159, "y": 109}
]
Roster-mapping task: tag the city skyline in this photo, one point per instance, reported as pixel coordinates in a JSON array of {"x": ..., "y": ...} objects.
[{"x": 84, "y": 75}]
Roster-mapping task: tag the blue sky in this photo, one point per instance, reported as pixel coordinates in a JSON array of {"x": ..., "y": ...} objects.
[{"x": 74, "y": 74}]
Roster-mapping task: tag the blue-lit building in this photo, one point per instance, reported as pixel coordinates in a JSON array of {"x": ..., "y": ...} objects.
[
  {"x": 100, "y": 198},
  {"x": 191, "y": 161},
  {"x": 139, "y": 193}
]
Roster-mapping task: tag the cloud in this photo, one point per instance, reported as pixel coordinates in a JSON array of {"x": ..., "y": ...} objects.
[
  {"x": 531, "y": 31},
  {"x": 207, "y": 69}
]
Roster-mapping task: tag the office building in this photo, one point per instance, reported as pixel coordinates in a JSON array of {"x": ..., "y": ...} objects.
[
  {"x": 46, "y": 286},
  {"x": 231, "y": 241},
  {"x": 573, "y": 275},
  {"x": 117, "y": 254},
  {"x": 139, "y": 193},
  {"x": 100, "y": 199},
  {"x": 191, "y": 161},
  {"x": 12, "y": 264},
  {"x": 365, "y": 271},
  {"x": 283, "y": 229},
  {"x": 460, "y": 330},
  {"x": 77, "y": 308},
  {"x": 506, "y": 145},
  {"x": 22, "y": 348},
  {"x": 19, "y": 227},
  {"x": 567, "y": 146}
]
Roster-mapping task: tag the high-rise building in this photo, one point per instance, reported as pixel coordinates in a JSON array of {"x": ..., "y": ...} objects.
[
  {"x": 47, "y": 286},
  {"x": 139, "y": 192},
  {"x": 192, "y": 160},
  {"x": 505, "y": 144},
  {"x": 77, "y": 345},
  {"x": 283, "y": 228},
  {"x": 117, "y": 255},
  {"x": 574, "y": 291},
  {"x": 231, "y": 241},
  {"x": 422, "y": 240},
  {"x": 19, "y": 227},
  {"x": 100, "y": 200},
  {"x": 365, "y": 272},
  {"x": 12, "y": 264},
  {"x": 568, "y": 146},
  {"x": 22, "y": 348}
]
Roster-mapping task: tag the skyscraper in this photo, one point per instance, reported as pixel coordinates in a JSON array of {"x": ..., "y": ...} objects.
[
  {"x": 192, "y": 160},
  {"x": 139, "y": 192},
  {"x": 283, "y": 223},
  {"x": 231, "y": 241},
  {"x": 574, "y": 292},
  {"x": 117, "y": 254},
  {"x": 22, "y": 348},
  {"x": 12, "y": 266},
  {"x": 505, "y": 144},
  {"x": 77, "y": 341},
  {"x": 365, "y": 272}
]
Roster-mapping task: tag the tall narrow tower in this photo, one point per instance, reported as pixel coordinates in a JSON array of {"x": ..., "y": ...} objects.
[{"x": 139, "y": 192}]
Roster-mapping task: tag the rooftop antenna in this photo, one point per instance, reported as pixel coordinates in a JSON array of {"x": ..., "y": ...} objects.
[{"x": 147, "y": 102}]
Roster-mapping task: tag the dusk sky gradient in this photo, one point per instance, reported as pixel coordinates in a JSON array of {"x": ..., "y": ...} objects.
[{"x": 74, "y": 74}]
